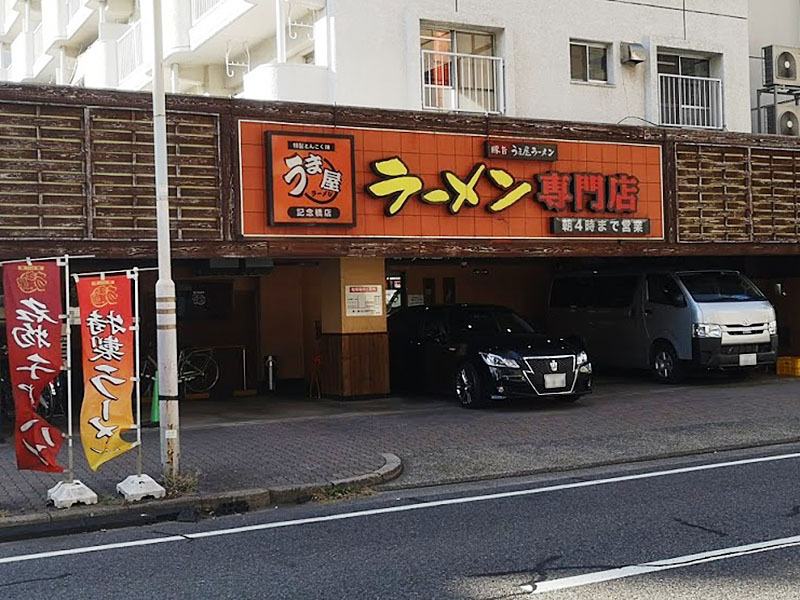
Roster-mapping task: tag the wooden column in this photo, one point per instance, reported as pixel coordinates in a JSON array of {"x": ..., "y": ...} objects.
[{"x": 354, "y": 345}]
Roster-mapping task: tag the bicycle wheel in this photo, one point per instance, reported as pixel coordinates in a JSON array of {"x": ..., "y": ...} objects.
[
  {"x": 147, "y": 376},
  {"x": 202, "y": 373}
]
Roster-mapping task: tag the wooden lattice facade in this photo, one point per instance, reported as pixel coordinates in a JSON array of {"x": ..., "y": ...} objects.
[{"x": 76, "y": 175}]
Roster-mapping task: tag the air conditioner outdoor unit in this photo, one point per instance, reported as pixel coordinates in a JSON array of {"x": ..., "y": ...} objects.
[
  {"x": 788, "y": 120},
  {"x": 781, "y": 66}
]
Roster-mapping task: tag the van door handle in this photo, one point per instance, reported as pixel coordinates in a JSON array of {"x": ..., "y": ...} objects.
[{"x": 647, "y": 311}]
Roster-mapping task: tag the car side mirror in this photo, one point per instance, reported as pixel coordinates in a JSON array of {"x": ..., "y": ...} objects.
[{"x": 677, "y": 299}]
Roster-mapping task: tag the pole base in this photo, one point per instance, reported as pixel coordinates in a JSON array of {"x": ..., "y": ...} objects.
[
  {"x": 66, "y": 493},
  {"x": 137, "y": 487}
]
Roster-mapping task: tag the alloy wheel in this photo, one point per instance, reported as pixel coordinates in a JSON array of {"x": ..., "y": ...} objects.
[
  {"x": 663, "y": 364},
  {"x": 464, "y": 387}
]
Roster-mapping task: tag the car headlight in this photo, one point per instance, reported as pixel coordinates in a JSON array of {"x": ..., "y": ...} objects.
[
  {"x": 773, "y": 327},
  {"x": 582, "y": 358},
  {"x": 706, "y": 330},
  {"x": 495, "y": 360}
]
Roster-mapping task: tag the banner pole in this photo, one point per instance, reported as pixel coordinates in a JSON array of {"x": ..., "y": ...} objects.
[
  {"x": 72, "y": 491},
  {"x": 68, "y": 361},
  {"x": 137, "y": 346},
  {"x": 138, "y": 486}
]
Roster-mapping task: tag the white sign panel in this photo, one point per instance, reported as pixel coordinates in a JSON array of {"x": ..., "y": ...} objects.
[
  {"x": 416, "y": 299},
  {"x": 363, "y": 300}
]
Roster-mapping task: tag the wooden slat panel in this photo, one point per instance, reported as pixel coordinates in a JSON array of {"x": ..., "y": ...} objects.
[
  {"x": 42, "y": 172},
  {"x": 123, "y": 180},
  {"x": 712, "y": 194}
]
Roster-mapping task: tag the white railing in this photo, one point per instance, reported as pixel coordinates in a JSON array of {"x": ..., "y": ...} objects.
[
  {"x": 691, "y": 101},
  {"x": 38, "y": 43},
  {"x": 462, "y": 82},
  {"x": 201, "y": 7},
  {"x": 129, "y": 51},
  {"x": 72, "y": 7}
]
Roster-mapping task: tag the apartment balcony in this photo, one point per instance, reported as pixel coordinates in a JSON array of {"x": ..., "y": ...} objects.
[
  {"x": 691, "y": 102},
  {"x": 201, "y": 7},
  {"x": 41, "y": 59},
  {"x": 287, "y": 82},
  {"x": 130, "y": 56},
  {"x": 452, "y": 81}
]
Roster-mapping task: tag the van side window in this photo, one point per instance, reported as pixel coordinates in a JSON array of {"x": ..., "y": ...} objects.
[
  {"x": 614, "y": 291},
  {"x": 662, "y": 289},
  {"x": 571, "y": 292}
]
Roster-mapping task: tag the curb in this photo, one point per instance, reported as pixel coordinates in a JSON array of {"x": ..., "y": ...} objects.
[
  {"x": 589, "y": 465},
  {"x": 189, "y": 508}
]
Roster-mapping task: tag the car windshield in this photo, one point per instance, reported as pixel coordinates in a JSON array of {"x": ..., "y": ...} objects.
[
  {"x": 710, "y": 286},
  {"x": 490, "y": 321}
]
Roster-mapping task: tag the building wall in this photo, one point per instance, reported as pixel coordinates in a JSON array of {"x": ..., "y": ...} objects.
[
  {"x": 522, "y": 287},
  {"x": 290, "y": 307},
  {"x": 776, "y": 22},
  {"x": 372, "y": 57},
  {"x": 534, "y": 38}
]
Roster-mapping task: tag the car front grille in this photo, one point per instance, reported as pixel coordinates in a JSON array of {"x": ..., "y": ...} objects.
[
  {"x": 731, "y": 349},
  {"x": 539, "y": 366}
]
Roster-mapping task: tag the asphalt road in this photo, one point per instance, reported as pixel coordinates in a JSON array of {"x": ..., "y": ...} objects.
[{"x": 706, "y": 532}]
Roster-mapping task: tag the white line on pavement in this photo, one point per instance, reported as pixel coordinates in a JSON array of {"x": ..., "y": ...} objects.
[
  {"x": 397, "y": 509},
  {"x": 678, "y": 562}
]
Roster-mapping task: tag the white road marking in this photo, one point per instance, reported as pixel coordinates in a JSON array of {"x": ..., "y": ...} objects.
[
  {"x": 396, "y": 509},
  {"x": 664, "y": 565}
]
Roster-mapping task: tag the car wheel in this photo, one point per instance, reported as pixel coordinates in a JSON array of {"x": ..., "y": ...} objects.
[
  {"x": 666, "y": 365},
  {"x": 469, "y": 390}
]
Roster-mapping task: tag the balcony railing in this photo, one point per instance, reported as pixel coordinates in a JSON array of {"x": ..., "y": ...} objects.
[
  {"x": 38, "y": 42},
  {"x": 691, "y": 101},
  {"x": 201, "y": 7},
  {"x": 462, "y": 82},
  {"x": 72, "y": 7},
  {"x": 129, "y": 51}
]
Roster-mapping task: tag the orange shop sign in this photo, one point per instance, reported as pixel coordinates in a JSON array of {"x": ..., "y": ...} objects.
[
  {"x": 311, "y": 179},
  {"x": 414, "y": 184}
]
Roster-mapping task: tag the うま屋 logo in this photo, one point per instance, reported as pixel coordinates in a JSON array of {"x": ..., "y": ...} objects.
[
  {"x": 312, "y": 175},
  {"x": 32, "y": 280}
]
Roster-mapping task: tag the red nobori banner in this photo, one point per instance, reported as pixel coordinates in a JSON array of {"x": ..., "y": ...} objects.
[
  {"x": 108, "y": 364},
  {"x": 33, "y": 328}
]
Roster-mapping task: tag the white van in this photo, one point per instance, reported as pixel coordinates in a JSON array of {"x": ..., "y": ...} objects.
[{"x": 666, "y": 320}]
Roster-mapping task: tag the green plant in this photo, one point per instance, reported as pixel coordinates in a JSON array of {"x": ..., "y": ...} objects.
[
  {"x": 108, "y": 500},
  {"x": 338, "y": 494},
  {"x": 182, "y": 483}
]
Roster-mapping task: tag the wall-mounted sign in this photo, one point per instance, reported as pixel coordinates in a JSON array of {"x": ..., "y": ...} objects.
[
  {"x": 363, "y": 300},
  {"x": 310, "y": 179},
  {"x": 423, "y": 185},
  {"x": 520, "y": 150}
]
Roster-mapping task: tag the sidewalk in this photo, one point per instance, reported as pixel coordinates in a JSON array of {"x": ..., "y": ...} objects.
[{"x": 439, "y": 442}]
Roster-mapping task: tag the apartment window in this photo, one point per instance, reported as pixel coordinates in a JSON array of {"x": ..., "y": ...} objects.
[
  {"x": 688, "y": 66},
  {"x": 588, "y": 62},
  {"x": 460, "y": 70},
  {"x": 688, "y": 95}
]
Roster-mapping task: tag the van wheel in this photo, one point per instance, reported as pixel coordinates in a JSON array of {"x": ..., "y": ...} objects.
[
  {"x": 666, "y": 365},
  {"x": 469, "y": 389}
]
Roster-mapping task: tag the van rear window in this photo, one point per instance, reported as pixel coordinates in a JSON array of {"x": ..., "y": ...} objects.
[{"x": 602, "y": 291}]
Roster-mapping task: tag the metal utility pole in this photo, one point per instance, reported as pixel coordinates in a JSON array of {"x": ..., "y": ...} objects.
[{"x": 166, "y": 317}]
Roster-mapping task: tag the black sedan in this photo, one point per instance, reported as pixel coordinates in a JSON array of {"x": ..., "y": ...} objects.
[{"x": 483, "y": 353}]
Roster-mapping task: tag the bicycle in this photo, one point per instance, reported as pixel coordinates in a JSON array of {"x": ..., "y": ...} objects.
[
  {"x": 198, "y": 371},
  {"x": 51, "y": 404},
  {"x": 6, "y": 391}
]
